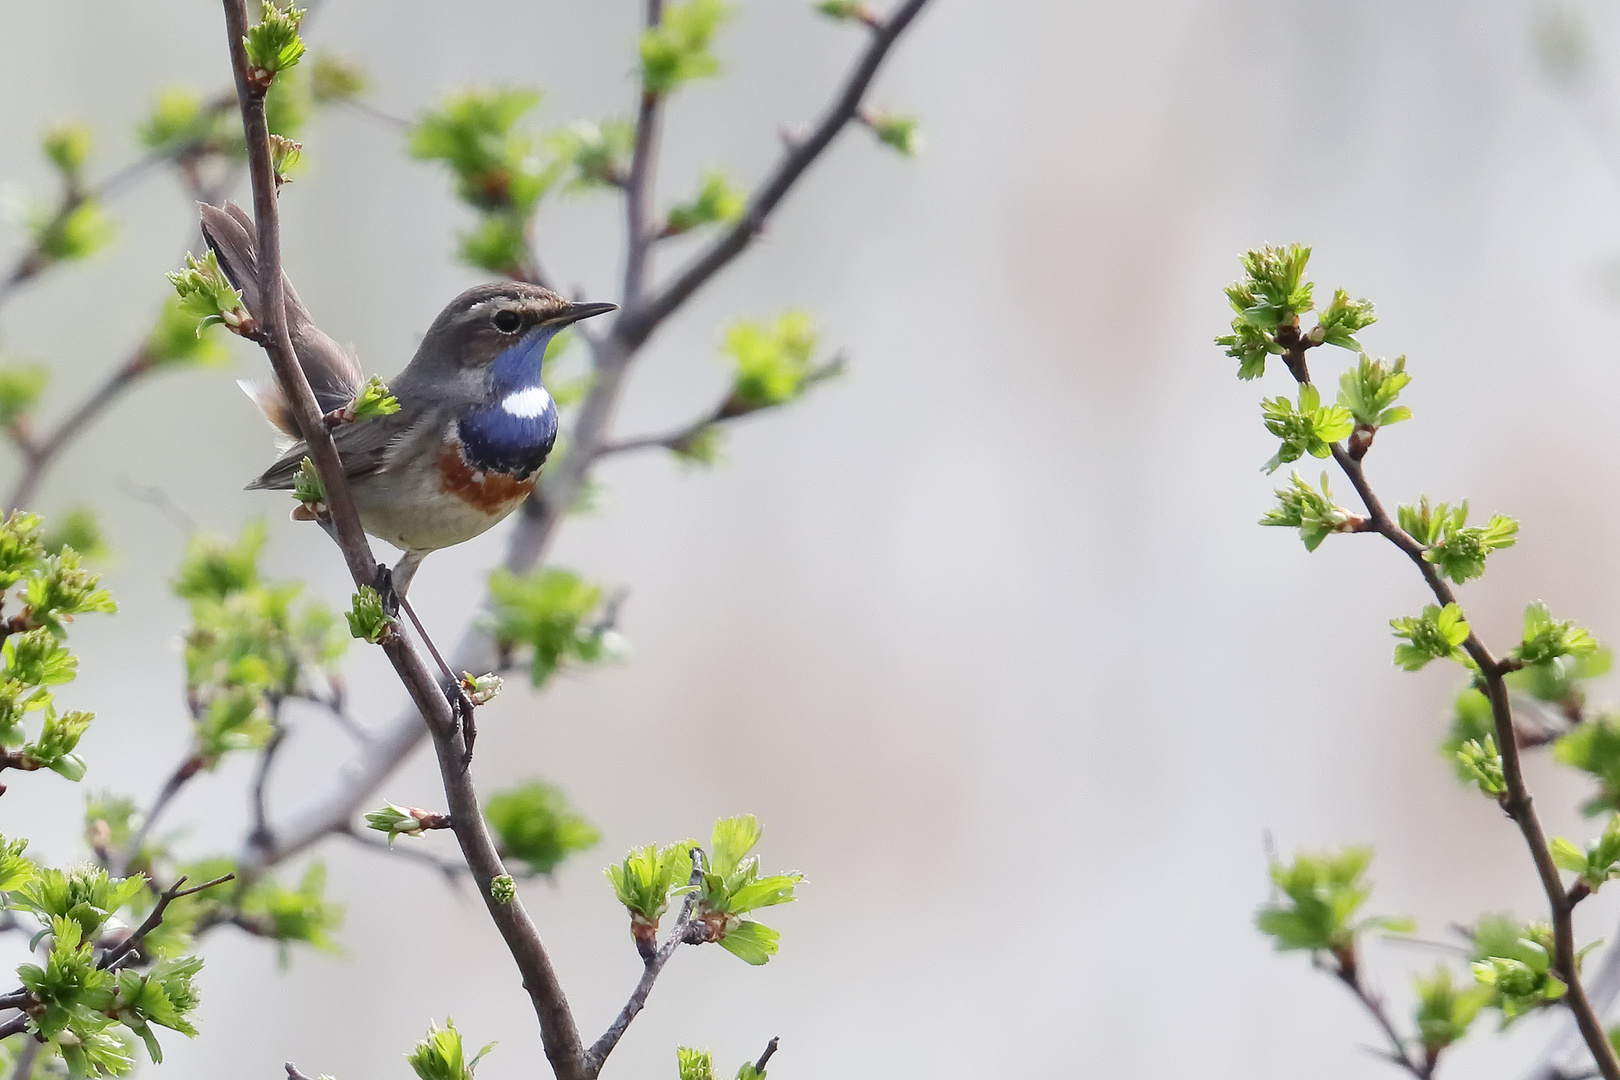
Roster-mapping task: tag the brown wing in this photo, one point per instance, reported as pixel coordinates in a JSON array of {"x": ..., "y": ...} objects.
[
  {"x": 364, "y": 447},
  {"x": 333, "y": 374}
]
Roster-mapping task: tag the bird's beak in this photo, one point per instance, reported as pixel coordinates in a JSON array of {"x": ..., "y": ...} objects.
[{"x": 573, "y": 313}]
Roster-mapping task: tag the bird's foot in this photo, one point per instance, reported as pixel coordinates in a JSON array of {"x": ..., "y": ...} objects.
[
  {"x": 385, "y": 589},
  {"x": 461, "y": 707}
]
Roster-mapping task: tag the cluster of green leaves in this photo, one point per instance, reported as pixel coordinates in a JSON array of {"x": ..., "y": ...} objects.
[
  {"x": 679, "y": 48},
  {"x": 1514, "y": 960},
  {"x": 1596, "y": 863},
  {"x": 440, "y": 1056},
  {"x": 1479, "y": 762},
  {"x": 771, "y": 366},
  {"x": 1320, "y": 894},
  {"x": 1311, "y": 429},
  {"x": 554, "y": 613},
  {"x": 1369, "y": 390},
  {"x": 536, "y": 825},
  {"x": 732, "y": 886},
  {"x": 1436, "y": 634},
  {"x": 1271, "y": 296},
  {"x": 77, "y": 1004},
  {"x": 717, "y": 201},
  {"x": 51, "y": 589},
  {"x": 76, "y": 226},
  {"x": 648, "y": 879},
  {"x": 1445, "y": 1009},
  {"x": 1559, "y": 658},
  {"x": 1456, "y": 549},
  {"x": 699, "y": 1065},
  {"x": 251, "y": 643},
  {"x": 272, "y": 44},
  {"x": 372, "y": 401},
  {"x": 206, "y": 295},
  {"x": 502, "y": 172},
  {"x": 1313, "y": 513}
]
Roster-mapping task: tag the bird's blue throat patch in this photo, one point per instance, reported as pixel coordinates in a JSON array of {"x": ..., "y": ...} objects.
[{"x": 516, "y": 427}]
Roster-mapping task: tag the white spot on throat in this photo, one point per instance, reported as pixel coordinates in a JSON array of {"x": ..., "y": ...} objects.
[{"x": 527, "y": 403}]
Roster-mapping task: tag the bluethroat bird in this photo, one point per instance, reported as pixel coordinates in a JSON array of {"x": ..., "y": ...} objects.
[{"x": 475, "y": 423}]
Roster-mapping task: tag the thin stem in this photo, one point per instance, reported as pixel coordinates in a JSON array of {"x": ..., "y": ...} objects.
[
  {"x": 40, "y": 454},
  {"x": 770, "y": 1049},
  {"x": 262, "y": 835},
  {"x": 453, "y": 872},
  {"x": 115, "y": 955},
  {"x": 187, "y": 769},
  {"x": 1349, "y": 975},
  {"x": 638, "y": 187}
]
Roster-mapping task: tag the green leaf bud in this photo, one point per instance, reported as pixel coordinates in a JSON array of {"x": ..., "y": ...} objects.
[
  {"x": 368, "y": 620},
  {"x": 901, "y": 133},
  {"x": 1436, "y": 634},
  {"x": 716, "y": 201},
  {"x": 207, "y": 294},
  {"x": 677, "y": 50},
  {"x": 1313, "y": 513},
  {"x": 67, "y": 146},
  {"x": 503, "y": 890},
  {"x": 272, "y": 44}
]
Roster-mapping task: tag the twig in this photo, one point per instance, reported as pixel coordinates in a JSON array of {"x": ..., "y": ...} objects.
[
  {"x": 262, "y": 835},
  {"x": 453, "y": 872},
  {"x": 730, "y": 408},
  {"x": 187, "y": 769},
  {"x": 293, "y": 1073},
  {"x": 1516, "y": 802},
  {"x": 558, "y": 1032},
  {"x": 653, "y": 964},
  {"x": 40, "y": 454},
  {"x": 115, "y": 955},
  {"x": 1349, "y": 974},
  {"x": 764, "y": 1059},
  {"x": 638, "y": 186}
]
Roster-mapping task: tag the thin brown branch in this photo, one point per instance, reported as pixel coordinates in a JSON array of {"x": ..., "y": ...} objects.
[
  {"x": 640, "y": 319},
  {"x": 115, "y": 955},
  {"x": 730, "y": 408},
  {"x": 653, "y": 964},
  {"x": 558, "y": 1031},
  {"x": 1517, "y": 801},
  {"x": 178, "y": 779},
  {"x": 1349, "y": 973},
  {"x": 293, "y": 1073},
  {"x": 640, "y": 234},
  {"x": 261, "y": 835},
  {"x": 40, "y": 454}
]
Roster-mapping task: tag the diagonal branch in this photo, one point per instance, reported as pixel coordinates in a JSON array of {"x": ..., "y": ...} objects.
[
  {"x": 638, "y": 186},
  {"x": 558, "y": 1032}
]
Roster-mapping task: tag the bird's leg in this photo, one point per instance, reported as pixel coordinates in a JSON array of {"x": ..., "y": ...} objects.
[{"x": 392, "y": 586}]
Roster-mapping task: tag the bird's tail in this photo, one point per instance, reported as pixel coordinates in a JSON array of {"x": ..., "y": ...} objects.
[{"x": 333, "y": 374}]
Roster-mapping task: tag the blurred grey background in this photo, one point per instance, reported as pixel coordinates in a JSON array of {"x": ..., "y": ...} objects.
[{"x": 985, "y": 632}]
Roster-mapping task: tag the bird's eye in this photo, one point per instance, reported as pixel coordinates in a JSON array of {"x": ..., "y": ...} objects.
[{"x": 508, "y": 322}]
